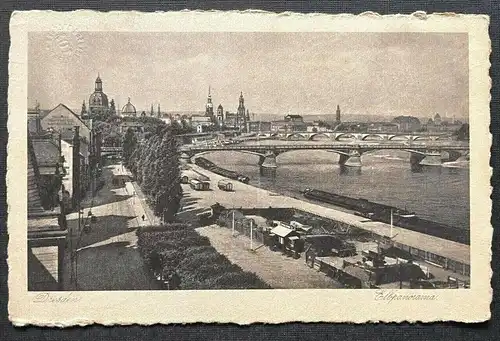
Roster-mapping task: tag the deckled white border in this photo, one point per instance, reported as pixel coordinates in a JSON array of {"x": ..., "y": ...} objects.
[{"x": 247, "y": 306}]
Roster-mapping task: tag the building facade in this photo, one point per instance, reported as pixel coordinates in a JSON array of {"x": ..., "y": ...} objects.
[
  {"x": 258, "y": 127},
  {"x": 290, "y": 123},
  {"x": 83, "y": 149},
  {"x": 63, "y": 120},
  {"x": 46, "y": 237},
  {"x": 407, "y": 124}
]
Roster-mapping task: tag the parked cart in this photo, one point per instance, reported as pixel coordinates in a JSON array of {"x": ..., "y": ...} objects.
[
  {"x": 199, "y": 185},
  {"x": 225, "y": 185}
]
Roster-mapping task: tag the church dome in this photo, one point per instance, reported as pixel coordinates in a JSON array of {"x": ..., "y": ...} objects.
[
  {"x": 98, "y": 99},
  {"x": 128, "y": 109}
]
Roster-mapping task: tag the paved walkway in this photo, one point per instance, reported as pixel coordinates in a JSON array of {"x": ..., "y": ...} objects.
[
  {"x": 277, "y": 270},
  {"x": 108, "y": 258}
]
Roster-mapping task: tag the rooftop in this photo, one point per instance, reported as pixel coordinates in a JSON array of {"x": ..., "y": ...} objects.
[
  {"x": 47, "y": 153},
  {"x": 281, "y": 231}
]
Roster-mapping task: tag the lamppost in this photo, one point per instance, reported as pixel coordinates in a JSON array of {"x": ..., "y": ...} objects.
[
  {"x": 84, "y": 227},
  {"x": 86, "y": 223}
]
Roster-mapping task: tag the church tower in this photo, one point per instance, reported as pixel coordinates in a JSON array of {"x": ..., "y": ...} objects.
[
  {"x": 209, "y": 108},
  {"x": 337, "y": 116},
  {"x": 241, "y": 114},
  {"x": 220, "y": 115}
]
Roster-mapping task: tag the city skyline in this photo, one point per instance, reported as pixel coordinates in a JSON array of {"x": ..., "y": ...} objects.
[{"x": 414, "y": 72}]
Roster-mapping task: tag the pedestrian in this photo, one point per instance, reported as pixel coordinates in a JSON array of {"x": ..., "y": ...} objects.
[{"x": 143, "y": 217}]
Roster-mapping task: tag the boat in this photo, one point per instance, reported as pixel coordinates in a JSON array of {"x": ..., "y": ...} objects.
[
  {"x": 385, "y": 213},
  {"x": 209, "y": 165}
]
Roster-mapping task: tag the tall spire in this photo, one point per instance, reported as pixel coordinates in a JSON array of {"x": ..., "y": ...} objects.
[
  {"x": 84, "y": 109},
  {"x": 242, "y": 102}
]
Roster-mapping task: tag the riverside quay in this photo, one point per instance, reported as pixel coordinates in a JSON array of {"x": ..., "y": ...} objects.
[{"x": 445, "y": 259}]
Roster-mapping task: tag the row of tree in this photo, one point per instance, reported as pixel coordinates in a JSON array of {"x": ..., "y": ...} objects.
[
  {"x": 155, "y": 164},
  {"x": 180, "y": 252}
]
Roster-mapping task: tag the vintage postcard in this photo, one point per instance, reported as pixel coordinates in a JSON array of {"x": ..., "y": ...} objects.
[{"x": 248, "y": 167}]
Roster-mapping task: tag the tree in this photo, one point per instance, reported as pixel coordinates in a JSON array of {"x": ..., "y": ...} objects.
[
  {"x": 155, "y": 165},
  {"x": 463, "y": 133},
  {"x": 129, "y": 145}
]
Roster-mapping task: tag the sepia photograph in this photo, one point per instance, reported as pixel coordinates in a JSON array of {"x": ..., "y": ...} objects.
[{"x": 183, "y": 161}]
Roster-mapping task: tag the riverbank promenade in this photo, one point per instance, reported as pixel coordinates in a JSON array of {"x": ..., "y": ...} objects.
[
  {"x": 274, "y": 268},
  {"x": 247, "y": 196}
]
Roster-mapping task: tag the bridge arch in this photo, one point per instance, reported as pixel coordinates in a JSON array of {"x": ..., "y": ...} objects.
[
  {"x": 422, "y": 138},
  {"x": 399, "y": 137},
  {"x": 351, "y": 135},
  {"x": 378, "y": 136},
  {"x": 311, "y": 138},
  {"x": 295, "y": 135}
]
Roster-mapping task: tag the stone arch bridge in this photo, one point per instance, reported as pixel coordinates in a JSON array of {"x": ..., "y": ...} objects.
[
  {"x": 350, "y": 154},
  {"x": 337, "y": 136}
]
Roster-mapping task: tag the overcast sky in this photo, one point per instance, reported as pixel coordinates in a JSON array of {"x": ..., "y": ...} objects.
[{"x": 305, "y": 73}]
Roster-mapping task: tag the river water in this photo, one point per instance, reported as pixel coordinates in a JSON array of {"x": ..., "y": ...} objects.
[{"x": 439, "y": 193}]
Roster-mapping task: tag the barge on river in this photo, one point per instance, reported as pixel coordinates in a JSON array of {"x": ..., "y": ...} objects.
[
  {"x": 379, "y": 212},
  {"x": 209, "y": 165}
]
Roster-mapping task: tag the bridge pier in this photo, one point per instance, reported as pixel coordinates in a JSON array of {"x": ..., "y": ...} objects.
[
  {"x": 268, "y": 164},
  {"x": 350, "y": 159},
  {"x": 428, "y": 158},
  {"x": 455, "y": 155}
]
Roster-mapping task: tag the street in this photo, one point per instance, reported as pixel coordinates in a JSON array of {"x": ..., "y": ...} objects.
[{"x": 107, "y": 256}]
